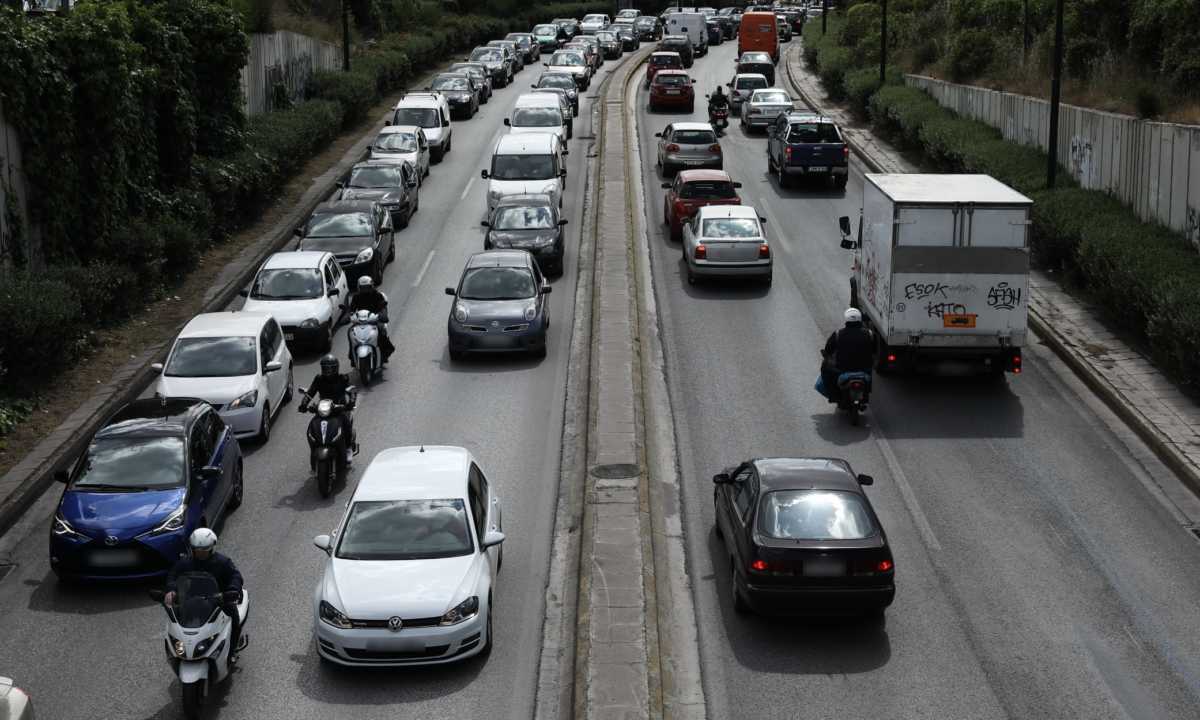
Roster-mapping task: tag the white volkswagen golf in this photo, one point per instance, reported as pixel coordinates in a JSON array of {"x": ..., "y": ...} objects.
[{"x": 412, "y": 565}]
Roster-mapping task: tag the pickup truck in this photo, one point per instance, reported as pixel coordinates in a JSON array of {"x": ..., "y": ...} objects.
[{"x": 803, "y": 144}]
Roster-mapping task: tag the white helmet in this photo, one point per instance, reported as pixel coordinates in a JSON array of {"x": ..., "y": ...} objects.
[
  {"x": 852, "y": 315},
  {"x": 366, "y": 281},
  {"x": 203, "y": 539}
]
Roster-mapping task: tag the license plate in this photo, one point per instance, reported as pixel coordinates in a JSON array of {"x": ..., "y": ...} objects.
[
  {"x": 693, "y": 162},
  {"x": 818, "y": 169},
  {"x": 114, "y": 558},
  {"x": 672, "y": 92},
  {"x": 958, "y": 321},
  {"x": 824, "y": 567},
  {"x": 289, "y": 336}
]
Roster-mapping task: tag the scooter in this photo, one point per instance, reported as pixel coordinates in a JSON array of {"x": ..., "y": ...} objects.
[
  {"x": 328, "y": 443},
  {"x": 718, "y": 117},
  {"x": 198, "y": 634},
  {"x": 365, "y": 354},
  {"x": 855, "y": 390}
]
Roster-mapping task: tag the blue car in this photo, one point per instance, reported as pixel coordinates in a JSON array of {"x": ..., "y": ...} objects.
[{"x": 156, "y": 471}]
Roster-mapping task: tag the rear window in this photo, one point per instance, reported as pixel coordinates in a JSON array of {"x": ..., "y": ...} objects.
[
  {"x": 694, "y": 137},
  {"x": 814, "y": 515},
  {"x": 756, "y": 58},
  {"x": 813, "y": 133},
  {"x": 665, "y": 61},
  {"x": 670, "y": 80},
  {"x": 707, "y": 190},
  {"x": 751, "y": 83},
  {"x": 733, "y": 228},
  {"x": 772, "y": 97}
]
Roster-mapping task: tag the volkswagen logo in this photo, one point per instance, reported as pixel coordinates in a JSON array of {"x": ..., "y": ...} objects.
[
  {"x": 111, "y": 540},
  {"x": 395, "y": 623},
  {"x": 495, "y": 323}
]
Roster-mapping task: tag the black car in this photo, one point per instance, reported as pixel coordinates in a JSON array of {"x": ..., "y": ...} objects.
[
  {"x": 680, "y": 44},
  {"x": 528, "y": 222},
  {"x": 482, "y": 78},
  {"x": 531, "y": 50},
  {"x": 716, "y": 35},
  {"x": 392, "y": 185},
  {"x": 562, "y": 81},
  {"x": 461, "y": 93},
  {"x": 647, "y": 27},
  {"x": 495, "y": 61},
  {"x": 610, "y": 44},
  {"x": 570, "y": 26},
  {"x": 500, "y": 305},
  {"x": 757, "y": 62},
  {"x": 358, "y": 233},
  {"x": 802, "y": 537}
]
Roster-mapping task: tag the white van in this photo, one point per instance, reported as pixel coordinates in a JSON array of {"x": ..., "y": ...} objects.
[
  {"x": 538, "y": 113},
  {"x": 526, "y": 164},
  {"x": 691, "y": 24}
]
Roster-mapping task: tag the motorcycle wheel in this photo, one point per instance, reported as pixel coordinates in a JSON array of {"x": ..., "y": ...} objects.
[
  {"x": 854, "y": 414},
  {"x": 364, "y": 371},
  {"x": 324, "y": 478},
  {"x": 193, "y": 699}
]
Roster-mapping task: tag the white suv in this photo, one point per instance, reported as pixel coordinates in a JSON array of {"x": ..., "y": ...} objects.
[{"x": 429, "y": 111}]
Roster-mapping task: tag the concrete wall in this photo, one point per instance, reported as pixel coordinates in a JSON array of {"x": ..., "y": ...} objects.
[
  {"x": 1152, "y": 167},
  {"x": 12, "y": 189},
  {"x": 287, "y": 59}
]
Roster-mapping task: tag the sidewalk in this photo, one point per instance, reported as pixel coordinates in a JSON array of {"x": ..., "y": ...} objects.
[{"x": 1144, "y": 398}]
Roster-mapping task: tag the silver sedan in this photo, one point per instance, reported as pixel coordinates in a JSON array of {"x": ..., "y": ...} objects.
[
  {"x": 764, "y": 106},
  {"x": 726, "y": 241},
  {"x": 688, "y": 145}
]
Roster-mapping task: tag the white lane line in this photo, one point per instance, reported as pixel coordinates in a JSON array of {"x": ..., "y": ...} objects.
[
  {"x": 906, "y": 492},
  {"x": 421, "y": 275},
  {"x": 467, "y": 189},
  {"x": 775, "y": 233}
]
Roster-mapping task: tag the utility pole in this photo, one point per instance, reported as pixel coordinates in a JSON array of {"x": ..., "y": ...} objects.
[
  {"x": 824, "y": 14},
  {"x": 345, "y": 35},
  {"x": 1055, "y": 95},
  {"x": 883, "y": 43}
]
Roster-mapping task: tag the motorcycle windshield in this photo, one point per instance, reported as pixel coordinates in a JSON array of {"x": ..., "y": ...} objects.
[
  {"x": 364, "y": 333},
  {"x": 196, "y": 599}
]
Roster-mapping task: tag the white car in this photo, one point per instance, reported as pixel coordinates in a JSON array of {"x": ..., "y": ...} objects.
[
  {"x": 412, "y": 566},
  {"x": 527, "y": 164},
  {"x": 237, "y": 362},
  {"x": 14, "y": 702},
  {"x": 743, "y": 84},
  {"x": 764, "y": 106},
  {"x": 400, "y": 143},
  {"x": 728, "y": 241},
  {"x": 593, "y": 23},
  {"x": 305, "y": 291},
  {"x": 430, "y": 112},
  {"x": 573, "y": 63},
  {"x": 539, "y": 113}
]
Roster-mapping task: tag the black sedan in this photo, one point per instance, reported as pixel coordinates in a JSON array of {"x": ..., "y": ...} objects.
[
  {"x": 528, "y": 222},
  {"x": 802, "y": 537},
  {"x": 395, "y": 186},
  {"x": 560, "y": 80},
  {"x": 461, "y": 93},
  {"x": 358, "y": 233},
  {"x": 500, "y": 305},
  {"x": 628, "y": 36}
]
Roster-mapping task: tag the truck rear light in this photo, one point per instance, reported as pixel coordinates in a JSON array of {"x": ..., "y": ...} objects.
[
  {"x": 701, "y": 252},
  {"x": 1015, "y": 362},
  {"x": 715, "y": 148},
  {"x": 846, "y": 152},
  {"x": 672, "y": 148},
  {"x": 764, "y": 251}
]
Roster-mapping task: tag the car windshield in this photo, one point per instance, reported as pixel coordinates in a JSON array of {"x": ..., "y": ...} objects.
[
  {"x": 523, "y": 218},
  {"x": 544, "y": 30},
  {"x": 751, "y": 83},
  {"x": 661, "y": 79},
  {"x": 644, "y": 23},
  {"x": 566, "y": 82},
  {"x": 772, "y": 97},
  {"x": 522, "y": 167},
  {"x": 537, "y": 117},
  {"x": 665, "y": 61},
  {"x": 421, "y": 117},
  {"x": 396, "y": 142},
  {"x": 694, "y": 137},
  {"x": 604, "y": 35},
  {"x": 733, "y": 228},
  {"x": 133, "y": 463},
  {"x": 497, "y": 283},
  {"x": 566, "y": 58},
  {"x": 707, "y": 190},
  {"x": 756, "y": 58},
  {"x": 406, "y": 530},
  {"x": 487, "y": 54},
  {"x": 814, "y": 515},
  {"x": 374, "y": 177},
  {"x": 213, "y": 357},
  {"x": 594, "y": 18},
  {"x": 816, "y": 132},
  {"x": 450, "y": 84},
  {"x": 287, "y": 284},
  {"x": 351, "y": 224}
]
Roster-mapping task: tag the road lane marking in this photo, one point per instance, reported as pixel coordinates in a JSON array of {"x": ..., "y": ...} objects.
[
  {"x": 467, "y": 189},
  {"x": 421, "y": 275},
  {"x": 907, "y": 494},
  {"x": 777, "y": 236}
]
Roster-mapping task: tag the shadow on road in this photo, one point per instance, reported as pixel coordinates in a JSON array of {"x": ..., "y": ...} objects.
[
  {"x": 84, "y": 598},
  {"x": 331, "y": 685},
  {"x": 930, "y": 406}
]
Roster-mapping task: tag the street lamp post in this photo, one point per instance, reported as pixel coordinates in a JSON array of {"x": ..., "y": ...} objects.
[{"x": 1055, "y": 95}]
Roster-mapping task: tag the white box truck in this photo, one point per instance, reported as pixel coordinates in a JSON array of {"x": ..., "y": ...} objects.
[
  {"x": 691, "y": 24},
  {"x": 941, "y": 269}
]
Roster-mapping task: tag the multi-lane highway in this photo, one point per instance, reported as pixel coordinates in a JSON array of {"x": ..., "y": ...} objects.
[
  {"x": 1041, "y": 570},
  {"x": 93, "y": 652}
]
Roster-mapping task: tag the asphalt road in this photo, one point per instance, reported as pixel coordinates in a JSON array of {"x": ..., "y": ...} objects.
[
  {"x": 1043, "y": 570},
  {"x": 96, "y": 652}
]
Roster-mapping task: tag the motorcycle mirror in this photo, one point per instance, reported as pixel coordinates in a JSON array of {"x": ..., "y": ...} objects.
[
  {"x": 848, "y": 244},
  {"x": 485, "y": 223},
  {"x": 737, "y": 185},
  {"x": 844, "y": 224},
  {"x": 323, "y": 542},
  {"x": 866, "y": 480},
  {"x": 546, "y": 289},
  {"x": 666, "y": 186},
  {"x": 721, "y": 478},
  {"x": 156, "y": 594},
  {"x": 492, "y": 538}
]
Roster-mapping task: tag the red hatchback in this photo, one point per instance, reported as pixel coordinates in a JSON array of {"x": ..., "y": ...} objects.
[
  {"x": 662, "y": 61},
  {"x": 672, "y": 89},
  {"x": 692, "y": 190}
]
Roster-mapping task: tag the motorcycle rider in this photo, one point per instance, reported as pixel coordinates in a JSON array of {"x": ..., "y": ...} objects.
[
  {"x": 372, "y": 299},
  {"x": 204, "y": 558},
  {"x": 333, "y": 385},
  {"x": 717, "y": 101},
  {"x": 850, "y": 349}
]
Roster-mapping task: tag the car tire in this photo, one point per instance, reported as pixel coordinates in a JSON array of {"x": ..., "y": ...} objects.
[
  {"x": 691, "y": 107},
  {"x": 457, "y": 355},
  {"x": 784, "y": 181},
  {"x": 739, "y": 603},
  {"x": 486, "y": 650},
  {"x": 840, "y": 181},
  {"x": 264, "y": 424},
  {"x": 239, "y": 490},
  {"x": 291, "y": 381},
  {"x": 540, "y": 352}
]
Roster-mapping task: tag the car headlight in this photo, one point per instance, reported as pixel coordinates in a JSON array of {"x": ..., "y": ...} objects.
[
  {"x": 62, "y": 528},
  {"x": 365, "y": 255},
  {"x": 530, "y": 312},
  {"x": 245, "y": 401},
  {"x": 175, "y": 521},
  {"x": 460, "y": 313},
  {"x": 310, "y": 324},
  {"x": 332, "y": 616},
  {"x": 462, "y": 612}
]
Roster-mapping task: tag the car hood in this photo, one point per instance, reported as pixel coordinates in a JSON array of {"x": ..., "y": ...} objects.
[
  {"x": 217, "y": 390},
  {"x": 573, "y": 69},
  {"x": 290, "y": 312},
  {"x": 524, "y": 187},
  {"x": 123, "y": 514},
  {"x": 379, "y": 589},
  {"x": 383, "y": 195},
  {"x": 522, "y": 238},
  {"x": 459, "y": 95},
  {"x": 502, "y": 311}
]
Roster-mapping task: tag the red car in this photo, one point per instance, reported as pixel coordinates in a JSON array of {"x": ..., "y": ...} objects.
[
  {"x": 672, "y": 89},
  {"x": 662, "y": 61},
  {"x": 692, "y": 190}
]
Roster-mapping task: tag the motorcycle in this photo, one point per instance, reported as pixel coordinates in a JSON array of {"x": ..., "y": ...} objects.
[
  {"x": 855, "y": 388},
  {"x": 365, "y": 355},
  {"x": 718, "y": 117},
  {"x": 328, "y": 443},
  {"x": 198, "y": 634}
]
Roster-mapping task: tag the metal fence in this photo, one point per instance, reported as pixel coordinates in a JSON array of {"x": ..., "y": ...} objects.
[
  {"x": 17, "y": 237},
  {"x": 280, "y": 65},
  {"x": 1152, "y": 167}
]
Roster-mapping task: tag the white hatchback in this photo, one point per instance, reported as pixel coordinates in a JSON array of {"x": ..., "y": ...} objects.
[
  {"x": 237, "y": 362},
  {"x": 412, "y": 565},
  {"x": 305, "y": 291}
]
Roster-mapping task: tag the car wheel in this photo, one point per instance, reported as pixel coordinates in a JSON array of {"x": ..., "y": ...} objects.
[
  {"x": 403, "y": 224},
  {"x": 739, "y": 603},
  {"x": 288, "y": 391},
  {"x": 691, "y": 107},
  {"x": 264, "y": 425},
  {"x": 540, "y": 352},
  {"x": 239, "y": 490},
  {"x": 717, "y": 522},
  {"x": 784, "y": 180},
  {"x": 457, "y": 355},
  {"x": 666, "y": 214},
  {"x": 487, "y": 645}
]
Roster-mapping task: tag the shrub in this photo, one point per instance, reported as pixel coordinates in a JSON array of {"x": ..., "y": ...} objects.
[
  {"x": 833, "y": 62},
  {"x": 40, "y": 321},
  {"x": 356, "y": 91},
  {"x": 971, "y": 54}
]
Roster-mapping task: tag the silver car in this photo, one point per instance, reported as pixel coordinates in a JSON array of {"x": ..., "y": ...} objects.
[
  {"x": 763, "y": 107},
  {"x": 726, "y": 240},
  {"x": 399, "y": 144},
  {"x": 687, "y": 145},
  {"x": 743, "y": 84}
]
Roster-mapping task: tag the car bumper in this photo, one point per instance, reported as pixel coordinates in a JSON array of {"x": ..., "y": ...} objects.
[
  {"x": 244, "y": 421},
  {"x": 306, "y": 336},
  {"x": 91, "y": 559},
  {"x": 768, "y": 600},
  {"x": 487, "y": 339},
  {"x": 762, "y": 121},
  {"x": 713, "y": 268},
  {"x": 691, "y": 161},
  {"x": 806, "y": 171},
  {"x": 460, "y": 106},
  {"x": 672, "y": 100},
  {"x": 379, "y": 647}
]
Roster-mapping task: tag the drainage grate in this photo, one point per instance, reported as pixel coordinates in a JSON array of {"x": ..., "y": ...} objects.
[{"x": 5, "y": 569}]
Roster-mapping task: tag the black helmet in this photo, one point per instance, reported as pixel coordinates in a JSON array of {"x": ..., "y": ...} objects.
[{"x": 329, "y": 366}]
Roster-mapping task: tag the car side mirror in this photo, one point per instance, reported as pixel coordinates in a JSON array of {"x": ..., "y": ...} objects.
[
  {"x": 693, "y": 81},
  {"x": 658, "y": 134},
  {"x": 61, "y": 476},
  {"x": 244, "y": 292},
  {"x": 866, "y": 480},
  {"x": 428, "y": 88},
  {"x": 844, "y": 224},
  {"x": 273, "y": 366},
  {"x": 546, "y": 289},
  {"x": 507, "y": 122},
  {"x": 721, "y": 478},
  {"x": 848, "y": 244},
  {"x": 562, "y": 173},
  {"x": 483, "y": 174},
  {"x": 763, "y": 220},
  {"x": 156, "y": 366},
  {"x": 323, "y": 543},
  {"x": 666, "y": 186},
  {"x": 545, "y": 64},
  {"x": 492, "y": 538},
  {"x": 562, "y": 222},
  {"x": 451, "y": 291},
  {"x": 208, "y": 472},
  {"x": 485, "y": 223},
  {"x": 387, "y": 123},
  {"x": 334, "y": 292}
]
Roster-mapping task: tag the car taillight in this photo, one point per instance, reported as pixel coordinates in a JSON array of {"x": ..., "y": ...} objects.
[
  {"x": 764, "y": 251},
  {"x": 759, "y": 566},
  {"x": 672, "y": 148},
  {"x": 884, "y": 566},
  {"x": 1015, "y": 362},
  {"x": 681, "y": 208},
  {"x": 787, "y": 153},
  {"x": 891, "y": 358},
  {"x": 856, "y": 385},
  {"x": 701, "y": 252},
  {"x": 846, "y": 152},
  {"x": 715, "y": 148}
]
